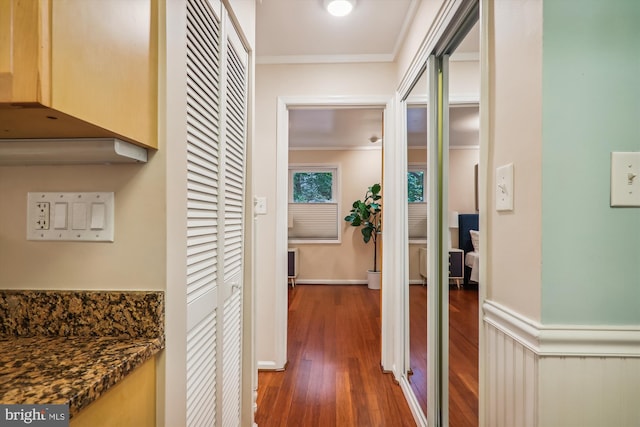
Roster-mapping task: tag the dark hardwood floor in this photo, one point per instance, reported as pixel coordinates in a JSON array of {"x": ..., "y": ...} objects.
[
  {"x": 463, "y": 357},
  {"x": 463, "y": 352},
  {"x": 333, "y": 377}
]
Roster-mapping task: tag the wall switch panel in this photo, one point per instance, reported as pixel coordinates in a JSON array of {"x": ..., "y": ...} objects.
[
  {"x": 504, "y": 188},
  {"x": 70, "y": 216},
  {"x": 625, "y": 179},
  {"x": 260, "y": 204}
]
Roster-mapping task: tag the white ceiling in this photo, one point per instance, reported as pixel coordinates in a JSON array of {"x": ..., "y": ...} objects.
[
  {"x": 301, "y": 31},
  {"x": 335, "y": 128}
]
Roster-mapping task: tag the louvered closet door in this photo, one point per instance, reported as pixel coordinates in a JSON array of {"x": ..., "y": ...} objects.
[
  {"x": 234, "y": 144},
  {"x": 204, "y": 35}
]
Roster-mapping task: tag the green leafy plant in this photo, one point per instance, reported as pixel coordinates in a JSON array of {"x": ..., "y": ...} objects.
[{"x": 367, "y": 214}]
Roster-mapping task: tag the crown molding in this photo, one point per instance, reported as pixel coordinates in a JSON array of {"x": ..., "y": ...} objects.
[{"x": 323, "y": 59}]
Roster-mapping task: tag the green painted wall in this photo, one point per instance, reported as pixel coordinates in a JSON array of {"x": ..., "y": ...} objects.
[{"x": 591, "y": 107}]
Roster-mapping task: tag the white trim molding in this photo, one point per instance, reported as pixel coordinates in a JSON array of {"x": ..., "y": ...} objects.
[
  {"x": 564, "y": 340},
  {"x": 269, "y": 365},
  {"x": 414, "y": 405},
  {"x": 333, "y": 282},
  {"x": 323, "y": 59},
  {"x": 281, "y": 206}
]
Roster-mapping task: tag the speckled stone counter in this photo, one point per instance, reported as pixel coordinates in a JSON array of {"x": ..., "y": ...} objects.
[{"x": 72, "y": 346}]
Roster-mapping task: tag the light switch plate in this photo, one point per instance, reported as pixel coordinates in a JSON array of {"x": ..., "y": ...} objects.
[
  {"x": 504, "y": 188},
  {"x": 67, "y": 216},
  {"x": 260, "y": 204},
  {"x": 625, "y": 179}
]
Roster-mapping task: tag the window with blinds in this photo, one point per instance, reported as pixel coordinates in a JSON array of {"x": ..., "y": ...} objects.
[
  {"x": 416, "y": 198},
  {"x": 313, "y": 204}
]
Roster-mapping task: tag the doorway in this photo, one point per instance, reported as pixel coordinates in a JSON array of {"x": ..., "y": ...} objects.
[{"x": 285, "y": 106}]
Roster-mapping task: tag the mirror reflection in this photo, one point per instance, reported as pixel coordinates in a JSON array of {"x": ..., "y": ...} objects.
[
  {"x": 464, "y": 158},
  {"x": 417, "y": 192}
]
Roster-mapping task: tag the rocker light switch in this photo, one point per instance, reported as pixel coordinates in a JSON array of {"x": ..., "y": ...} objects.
[
  {"x": 504, "y": 188},
  {"x": 625, "y": 179},
  {"x": 60, "y": 216}
]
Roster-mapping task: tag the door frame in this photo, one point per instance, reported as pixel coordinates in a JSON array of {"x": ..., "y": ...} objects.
[{"x": 281, "y": 232}]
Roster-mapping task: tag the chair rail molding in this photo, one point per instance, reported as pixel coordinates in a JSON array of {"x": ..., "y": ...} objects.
[{"x": 564, "y": 340}]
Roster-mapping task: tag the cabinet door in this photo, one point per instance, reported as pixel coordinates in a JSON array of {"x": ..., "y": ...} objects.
[
  {"x": 79, "y": 68},
  {"x": 24, "y": 46},
  {"x": 104, "y": 65},
  {"x": 456, "y": 265}
]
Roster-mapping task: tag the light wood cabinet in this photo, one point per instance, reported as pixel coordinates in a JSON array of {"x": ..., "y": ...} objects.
[
  {"x": 79, "y": 68},
  {"x": 130, "y": 403}
]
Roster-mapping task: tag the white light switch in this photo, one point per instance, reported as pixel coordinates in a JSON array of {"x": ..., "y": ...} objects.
[
  {"x": 79, "y": 216},
  {"x": 504, "y": 188},
  {"x": 60, "y": 216},
  {"x": 625, "y": 179},
  {"x": 97, "y": 216},
  {"x": 260, "y": 204},
  {"x": 73, "y": 216}
]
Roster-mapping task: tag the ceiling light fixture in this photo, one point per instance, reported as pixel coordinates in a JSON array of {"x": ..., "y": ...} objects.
[{"x": 339, "y": 7}]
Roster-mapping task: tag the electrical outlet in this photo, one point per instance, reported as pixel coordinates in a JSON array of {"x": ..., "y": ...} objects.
[
  {"x": 42, "y": 216},
  {"x": 72, "y": 217}
]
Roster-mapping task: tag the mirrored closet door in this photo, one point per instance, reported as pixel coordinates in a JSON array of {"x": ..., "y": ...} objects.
[
  {"x": 417, "y": 194},
  {"x": 431, "y": 232}
]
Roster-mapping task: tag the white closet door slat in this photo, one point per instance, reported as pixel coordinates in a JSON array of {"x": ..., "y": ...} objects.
[
  {"x": 232, "y": 351},
  {"x": 234, "y": 119},
  {"x": 203, "y": 165},
  {"x": 201, "y": 373}
]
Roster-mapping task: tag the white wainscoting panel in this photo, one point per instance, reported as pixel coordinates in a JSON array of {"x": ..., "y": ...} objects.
[
  {"x": 511, "y": 386},
  {"x": 559, "y": 375},
  {"x": 589, "y": 391}
]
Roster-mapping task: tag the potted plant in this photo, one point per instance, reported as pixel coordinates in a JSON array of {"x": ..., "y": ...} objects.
[{"x": 367, "y": 215}]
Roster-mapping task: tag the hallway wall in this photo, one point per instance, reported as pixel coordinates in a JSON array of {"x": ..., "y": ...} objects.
[
  {"x": 562, "y": 272},
  {"x": 513, "y": 276},
  {"x": 590, "y": 251}
]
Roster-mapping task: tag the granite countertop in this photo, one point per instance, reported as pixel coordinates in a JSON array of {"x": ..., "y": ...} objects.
[
  {"x": 73, "y": 370},
  {"x": 72, "y": 346}
]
